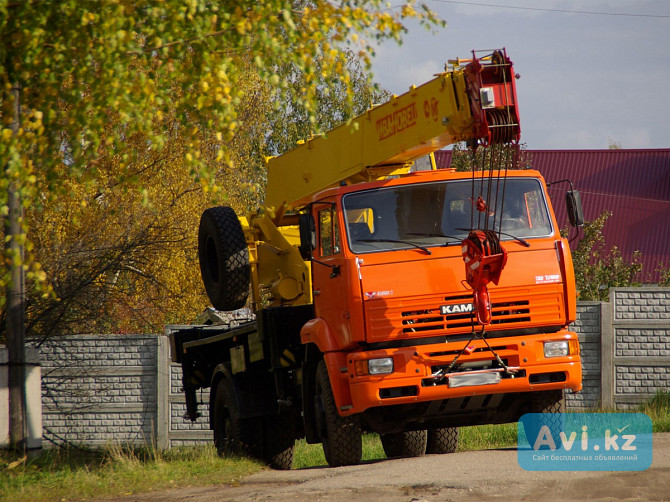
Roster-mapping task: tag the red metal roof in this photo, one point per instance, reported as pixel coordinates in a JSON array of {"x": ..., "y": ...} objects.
[{"x": 633, "y": 184}]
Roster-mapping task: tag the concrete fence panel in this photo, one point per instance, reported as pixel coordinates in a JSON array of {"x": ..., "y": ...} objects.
[{"x": 123, "y": 389}]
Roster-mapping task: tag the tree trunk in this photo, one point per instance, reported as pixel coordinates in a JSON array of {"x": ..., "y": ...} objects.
[{"x": 16, "y": 306}]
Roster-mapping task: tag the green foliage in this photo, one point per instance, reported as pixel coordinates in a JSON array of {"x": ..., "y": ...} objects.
[
  {"x": 494, "y": 157},
  {"x": 135, "y": 115},
  {"x": 597, "y": 267},
  {"x": 333, "y": 105},
  {"x": 664, "y": 271},
  {"x": 93, "y": 74},
  {"x": 117, "y": 259},
  {"x": 124, "y": 259}
]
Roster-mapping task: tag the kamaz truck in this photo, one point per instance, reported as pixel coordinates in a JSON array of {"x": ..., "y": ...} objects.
[{"x": 389, "y": 296}]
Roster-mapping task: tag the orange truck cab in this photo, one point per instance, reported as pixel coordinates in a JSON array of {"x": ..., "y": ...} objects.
[
  {"x": 395, "y": 318},
  {"x": 388, "y": 298}
]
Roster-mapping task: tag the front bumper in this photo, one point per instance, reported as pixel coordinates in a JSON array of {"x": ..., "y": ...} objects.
[{"x": 416, "y": 376}]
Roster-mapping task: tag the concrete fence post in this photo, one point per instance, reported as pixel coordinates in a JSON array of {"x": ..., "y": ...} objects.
[
  {"x": 607, "y": 356},
  {"x": 162, "y": 392}
]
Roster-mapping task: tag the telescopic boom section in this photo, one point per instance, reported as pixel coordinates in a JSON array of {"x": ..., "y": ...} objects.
[{"x": 474, "y": 103}]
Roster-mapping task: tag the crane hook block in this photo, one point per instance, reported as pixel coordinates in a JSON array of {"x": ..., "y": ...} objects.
[{"x": 484, "y": 259}]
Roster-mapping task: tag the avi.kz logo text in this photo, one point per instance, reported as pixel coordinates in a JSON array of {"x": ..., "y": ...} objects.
[{"x": 585, "y": 442}]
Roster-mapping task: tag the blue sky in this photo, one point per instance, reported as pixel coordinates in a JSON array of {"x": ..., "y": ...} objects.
[{"x": 586, "y": 80}]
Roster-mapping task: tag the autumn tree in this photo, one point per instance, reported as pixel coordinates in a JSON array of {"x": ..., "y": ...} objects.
[
  {"x": 333, "y": 104},
  {"x": 79, "y": 78},
  {"x": 94, "y": 74},
  {"x": 79, "y": 64},
  {"x": 122, "y": 259},
  {"x": 119, "y": 258},
  {"x": 115, "y": 95}
]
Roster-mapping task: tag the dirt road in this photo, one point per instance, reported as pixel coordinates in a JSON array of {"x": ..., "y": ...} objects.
[{"x": 467, "y": 476}]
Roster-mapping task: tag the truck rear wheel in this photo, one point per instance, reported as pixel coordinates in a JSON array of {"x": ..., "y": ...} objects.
[
  {"x": 278, "y": 441},
  {"x": 224, "y": 258},
  {"x": 341, "y": 436},
  {"x": 443, "y": 440},
  {"x": 405, "y": 444},
  {"x": 233, "y": 435}
]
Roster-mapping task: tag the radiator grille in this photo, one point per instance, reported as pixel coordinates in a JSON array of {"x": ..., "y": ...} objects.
[
  {"x": 421, "y": 317},
  {"x": 415, "y": 321}
]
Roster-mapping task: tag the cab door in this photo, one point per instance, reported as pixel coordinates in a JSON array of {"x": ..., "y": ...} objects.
[{"x": 331, "y": 274}]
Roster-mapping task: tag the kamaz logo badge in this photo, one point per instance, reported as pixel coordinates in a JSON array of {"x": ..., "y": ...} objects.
[{"x": 456, "y": 309}]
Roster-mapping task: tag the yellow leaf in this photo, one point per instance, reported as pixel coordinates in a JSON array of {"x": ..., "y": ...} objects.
[{"x": 16, "y": 463}]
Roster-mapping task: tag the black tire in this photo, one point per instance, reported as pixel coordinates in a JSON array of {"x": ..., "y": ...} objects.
[
  {"x": 278, "y": 441},
  {"x": 405, "y": 444},
  {"x": 224, "y": 258},
  {"x": 548, "y": 401},
  {"x": 341, "y": 437},
  {"x": 233, "y": 435},
  {"x": 443, "y": 440},
  {"x": 551, "y": 402}
]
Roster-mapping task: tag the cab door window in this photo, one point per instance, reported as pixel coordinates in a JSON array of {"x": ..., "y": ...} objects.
[{"x": 329, "y": 234}]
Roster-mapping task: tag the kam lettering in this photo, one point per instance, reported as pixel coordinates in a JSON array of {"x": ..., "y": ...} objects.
[{"x": 397, "y": 121}]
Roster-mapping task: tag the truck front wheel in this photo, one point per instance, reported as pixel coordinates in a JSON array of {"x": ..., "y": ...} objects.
[
  {"x": 548, "y": 401},
  {"x": 341, "y": 436},
  {"x": 551, "y": 402}
]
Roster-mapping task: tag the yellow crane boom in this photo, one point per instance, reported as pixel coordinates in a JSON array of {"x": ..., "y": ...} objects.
[{"x": 472, "y": 102}]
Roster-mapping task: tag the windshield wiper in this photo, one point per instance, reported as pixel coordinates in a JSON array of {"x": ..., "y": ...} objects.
[
  {"x": 419, "y": 246},
  {"x": 519, "y": 239},
  {"x": 425, "y": 234},
  {"x": 522, "y": 241}
]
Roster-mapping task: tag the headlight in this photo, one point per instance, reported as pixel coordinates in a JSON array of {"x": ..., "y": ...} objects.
[
  {"x": 556, "y": 349},
  {"x": 380, "y": 366}
]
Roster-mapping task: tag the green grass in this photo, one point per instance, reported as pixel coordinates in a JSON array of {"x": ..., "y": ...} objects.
[
  {"x": 483, "y": 437},
  {"x": 58, "y": 474},
  {"x": 471, "y": 438},
  {"x": 658, "y": 409},
  {"x": 311, "y": 455}
]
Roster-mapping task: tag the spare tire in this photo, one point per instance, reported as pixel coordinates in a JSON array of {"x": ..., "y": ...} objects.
[{"x": 224, "y": 258}]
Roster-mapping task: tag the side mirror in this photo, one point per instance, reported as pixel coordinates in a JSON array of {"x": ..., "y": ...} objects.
[
  {"x": 573, "y": 204},
  {"x": 307, "y": 235}
]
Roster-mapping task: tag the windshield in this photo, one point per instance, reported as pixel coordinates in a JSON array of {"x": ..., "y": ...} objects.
[{"x": 438, "y": 214}]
